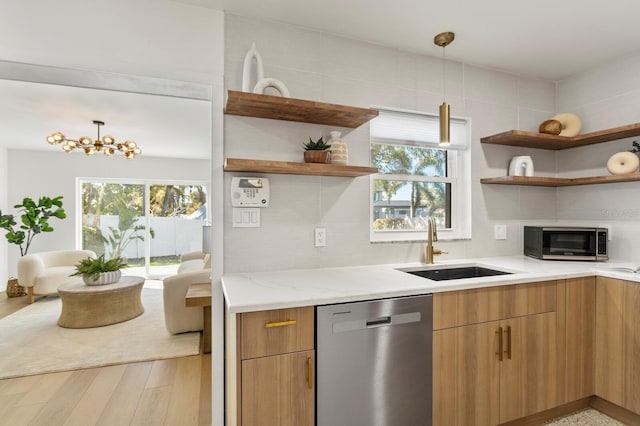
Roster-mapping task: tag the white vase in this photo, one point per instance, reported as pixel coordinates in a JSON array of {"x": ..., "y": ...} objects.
[
  {"x": 104, "y": 278},
  {"x": 339, "y": 151},
  {"x": 521, "y": 166}
]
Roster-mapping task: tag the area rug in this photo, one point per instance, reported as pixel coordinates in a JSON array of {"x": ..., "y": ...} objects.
[{"x": 32, "y": 343}]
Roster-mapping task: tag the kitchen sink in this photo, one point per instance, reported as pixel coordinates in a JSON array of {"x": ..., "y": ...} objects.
[{"x": 456, "y": 273}]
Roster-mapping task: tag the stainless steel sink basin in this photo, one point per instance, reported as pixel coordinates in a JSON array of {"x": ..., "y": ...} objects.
[{"x": 456, "y": 273}]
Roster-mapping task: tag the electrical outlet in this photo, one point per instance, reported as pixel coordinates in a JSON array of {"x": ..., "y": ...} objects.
[
  {"x": 321, "y": 237},
  {"x": 500, "y": 232}
]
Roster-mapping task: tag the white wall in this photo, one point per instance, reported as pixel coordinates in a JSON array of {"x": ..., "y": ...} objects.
[
  {"x": 38, "y": 173},
  {"x": 158, "y": 38},
  {"x": 333, "y": 69},
  {"x": 604, "y": 97},
  {"x": 4, "y": 206}
]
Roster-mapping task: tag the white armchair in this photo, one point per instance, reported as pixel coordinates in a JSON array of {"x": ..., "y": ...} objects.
[
  {"x": 42, "y": 273},
  {"x": 177, "y": 317}
]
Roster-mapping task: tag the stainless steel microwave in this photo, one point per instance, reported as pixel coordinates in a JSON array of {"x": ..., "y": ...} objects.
[{"x": 566, "y": 243}]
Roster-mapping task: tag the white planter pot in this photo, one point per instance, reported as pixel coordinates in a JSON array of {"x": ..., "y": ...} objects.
[{"x": 103, "y": 279}]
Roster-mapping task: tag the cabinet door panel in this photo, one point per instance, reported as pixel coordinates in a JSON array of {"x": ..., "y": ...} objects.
[
  {"x": 277, "y": 331},
  {"x": 527, "y": 299},
  {"x": 580, "y": 338},
  {"x": 528, "y": 379},
  {"x": 631, "y": 360},
  {"x": 609, "y": 339},
  {"x": 276, "y": 390},
  {"x": 465, "y": 376}
]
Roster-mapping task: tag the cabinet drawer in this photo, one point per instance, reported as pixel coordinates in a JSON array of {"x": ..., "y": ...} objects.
[
  {"x": 465, "y": 307},
  {"x": 275, "y": 332}
]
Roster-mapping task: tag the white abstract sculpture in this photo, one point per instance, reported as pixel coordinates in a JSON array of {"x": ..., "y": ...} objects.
[
  {"x": 521, "y": 166},
  {"x": 271, "y": 82},
  {"x": 246, "y": 71}
]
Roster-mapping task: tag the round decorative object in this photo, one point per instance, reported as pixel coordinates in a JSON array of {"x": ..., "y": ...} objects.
[
  {"x": 317, "y": 156},
  {"x": 339, "y": 151},
  {"x": 571, "y": 124},
  {"x": 271, "y": 82},
  {"x": 104, "y": 278},
  {"x": 623, "y": 163},
  {"x": 550, "y": 127}
]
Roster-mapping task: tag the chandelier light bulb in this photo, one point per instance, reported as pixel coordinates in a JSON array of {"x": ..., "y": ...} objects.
[
  {"x": 89, "y": 150},
  {"x": 108, "y": 139},
  {"x": 85, "y": 140},
  {"x": 137, "y": 151},
  {"x": 109, "y": 151}
]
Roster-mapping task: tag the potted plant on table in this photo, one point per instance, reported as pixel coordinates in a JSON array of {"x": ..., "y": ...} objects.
[
  {"x": 317, "y": 151},
  {"x": 34, "y": 219},
  {"x": 100, "y": 271}
]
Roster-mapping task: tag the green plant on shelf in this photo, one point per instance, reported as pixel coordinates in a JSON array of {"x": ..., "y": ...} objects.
[{"x": 319, "y": 145}]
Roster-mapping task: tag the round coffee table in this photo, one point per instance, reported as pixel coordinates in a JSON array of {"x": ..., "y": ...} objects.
[{"x": 86, "y": 306}]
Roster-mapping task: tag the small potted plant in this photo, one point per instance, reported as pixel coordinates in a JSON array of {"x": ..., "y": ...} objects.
[
  {"x": 100, "y": 271},
  {"x": 317, "y": 151}
]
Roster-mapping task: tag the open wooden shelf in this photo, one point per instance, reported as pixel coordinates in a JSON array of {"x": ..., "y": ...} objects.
[
  {"x": 290, "y": 109},
  {"x": 557, "y": 182},
  {"x": 291, "y": 168},
  {"x": 545, "y": 141}
]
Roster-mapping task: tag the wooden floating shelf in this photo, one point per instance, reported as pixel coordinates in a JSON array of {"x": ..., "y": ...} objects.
[
  {"x": 551, "y": 142},
  {"x": 558, "y": 182},
  {"x": 290, "y": 109},
  {"x": 291, "y": 168}
]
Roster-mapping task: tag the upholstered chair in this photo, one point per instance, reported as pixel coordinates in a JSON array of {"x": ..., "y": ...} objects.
[
  {"x": 179, "y": 318},
  {"x": 42, "y": 273}
]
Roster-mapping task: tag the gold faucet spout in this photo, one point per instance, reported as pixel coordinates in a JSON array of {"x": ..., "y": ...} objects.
[{"x": 432, "y": 235}]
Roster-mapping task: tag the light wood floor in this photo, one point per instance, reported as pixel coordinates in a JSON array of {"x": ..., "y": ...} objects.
[{"x": 168, "y": 392}]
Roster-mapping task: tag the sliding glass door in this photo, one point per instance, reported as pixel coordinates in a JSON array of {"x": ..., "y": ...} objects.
[{"x": 150, "y": 224}]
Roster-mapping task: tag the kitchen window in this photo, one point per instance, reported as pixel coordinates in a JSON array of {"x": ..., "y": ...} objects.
[{"x": 419, "y": 178}]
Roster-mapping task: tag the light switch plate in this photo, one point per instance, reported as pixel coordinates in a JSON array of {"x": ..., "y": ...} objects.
[
  {"x": 500, "y": 232},
  {"x": 246, "y": 218},
  {"x": 321, "y": 237}
]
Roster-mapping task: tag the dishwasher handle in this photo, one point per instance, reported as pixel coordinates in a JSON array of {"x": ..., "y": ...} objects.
[{"x": 378, "y": 322}]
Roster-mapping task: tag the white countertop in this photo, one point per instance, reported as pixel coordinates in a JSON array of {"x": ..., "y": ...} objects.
[{"x": 258, "y": 291}]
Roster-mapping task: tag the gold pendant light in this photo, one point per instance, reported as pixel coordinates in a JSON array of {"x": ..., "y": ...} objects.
[
  {"x": 443, "y": 40},
  {"x": 107, "y": 144}
]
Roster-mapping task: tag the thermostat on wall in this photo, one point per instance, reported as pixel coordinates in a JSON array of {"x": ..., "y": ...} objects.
[{"x": 249, "y": 192}]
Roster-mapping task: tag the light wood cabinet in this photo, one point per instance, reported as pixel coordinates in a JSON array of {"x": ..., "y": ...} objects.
[
  {"x": 278, "y": 390},
  {"x": 496, "y": 359},
  {"x": 458, "y": 308},
  {"x": 618, "y": 342},
  {"x": 579, "y": 338},
  {"x": 277, "y": 364}
]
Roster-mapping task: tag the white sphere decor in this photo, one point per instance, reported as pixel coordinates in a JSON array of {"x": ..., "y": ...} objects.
[{"x": 623, "y": 163}]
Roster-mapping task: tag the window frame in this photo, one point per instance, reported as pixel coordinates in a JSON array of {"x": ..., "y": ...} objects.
[{"x": 458, "y": 175}]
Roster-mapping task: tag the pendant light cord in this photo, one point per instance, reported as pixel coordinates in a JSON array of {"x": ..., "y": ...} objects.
[{"x": 444, "y": 75}]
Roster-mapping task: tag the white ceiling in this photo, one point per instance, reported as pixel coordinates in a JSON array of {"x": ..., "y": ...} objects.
[
  {"x": 162, "y": 126},
  {"x": 549, "y": 39}
]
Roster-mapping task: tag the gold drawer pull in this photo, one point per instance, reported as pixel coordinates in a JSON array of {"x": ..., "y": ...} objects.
[
  {"x": 310, "y": 372},
  {"x": 499, "y": 353},
  {"x": 280, "y": 323},
  {"x": 508, "y": 351}
]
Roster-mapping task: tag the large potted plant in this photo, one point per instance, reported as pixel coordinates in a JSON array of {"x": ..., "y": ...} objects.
[
  {"x": 34, "y": 220},
  {"x": 100, "y": 271}
]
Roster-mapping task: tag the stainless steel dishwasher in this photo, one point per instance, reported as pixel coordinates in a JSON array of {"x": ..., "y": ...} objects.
[{"x": 374, "y": 362}]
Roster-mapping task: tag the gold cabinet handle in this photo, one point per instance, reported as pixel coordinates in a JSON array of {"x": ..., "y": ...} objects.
[
  {"x": 508, "y": 351},
  {"x": 280, "y": 323},
  {"x": 310, "y": 372},
  {"x": 499, "y": 353}
]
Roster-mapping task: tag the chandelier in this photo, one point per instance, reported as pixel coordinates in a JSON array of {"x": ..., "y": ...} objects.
[{"x": 107, "y": 144}]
